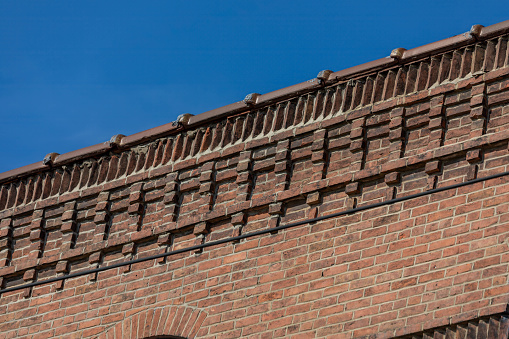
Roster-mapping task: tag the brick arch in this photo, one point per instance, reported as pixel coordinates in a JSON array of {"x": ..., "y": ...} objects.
[{"x": 178, "y": 321}]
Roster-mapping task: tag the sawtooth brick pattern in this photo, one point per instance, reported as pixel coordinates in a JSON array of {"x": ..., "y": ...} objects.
[
  {"x": 495, "y": 326},
  {"x": 399, "y": 269},
  {"x": 406, "y": 85},
  {"x": 390, "y": 271}
]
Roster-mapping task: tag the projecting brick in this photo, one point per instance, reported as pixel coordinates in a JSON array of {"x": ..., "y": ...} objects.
[
  {"x": 353, "y": 188},
  {"x": 29, "y": 275},
  {"x": 101, "y": 206},
  {"x": 200, "y": 228},
  {"x": 62, "y": 267},
  {"x": 424, "y": 118},
  {"x": 477, "y": 112},
  {"x": 276, "y": 208},
  {"x": 128, "y": 248},
  {"x": 313, "y": 198},
  {"x": 474, "y": 155},
  {"x": 437, "y": 123},
  {"x": 432, "y": 167},
  {"x": 392, "y": 178},
  {"x": 135, "y": 208},
  {"x": 36, "y": 234}
]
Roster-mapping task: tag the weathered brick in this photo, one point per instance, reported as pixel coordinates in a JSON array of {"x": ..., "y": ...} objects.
[{"x": 434, "y": 261}]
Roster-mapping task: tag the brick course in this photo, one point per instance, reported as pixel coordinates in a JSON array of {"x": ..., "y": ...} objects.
[{"x": 389, "y": 271}]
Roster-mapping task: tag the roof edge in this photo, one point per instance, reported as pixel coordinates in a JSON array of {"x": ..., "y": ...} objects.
[{"x": 399, "y": 56}]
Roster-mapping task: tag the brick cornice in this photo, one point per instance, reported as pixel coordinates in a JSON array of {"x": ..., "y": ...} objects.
[
  {"x": 320, "y": 130},
  {"x": 403, "y": 59}
]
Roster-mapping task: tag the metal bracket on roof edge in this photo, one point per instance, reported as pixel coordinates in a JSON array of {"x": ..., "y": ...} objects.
[
  {"x": 398, "y": 53},
  {"x": 475, "y": 31},
  {"x": 115, "y": 140},
  {"x": 323, "y": 76},
  {"x": 182, "y": 120},
  {"x": 50, "y": 158},
  {"x": 251, "y": 99}
]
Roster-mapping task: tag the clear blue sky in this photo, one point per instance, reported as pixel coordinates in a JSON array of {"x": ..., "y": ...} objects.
[{"x": 74, "y": 73}]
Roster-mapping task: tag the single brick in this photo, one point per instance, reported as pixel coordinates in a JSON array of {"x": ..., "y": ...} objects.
[
  {"x": 29, "y": 275},
  {"x": 276, "y": 208},
  {"x": 313, "y": 198},
  {"x": 353, "y": 188},
  {"x": 432, "y": 167},
  {"x": 62, "y": 266},
  {"x": 474, "y": 155},
  {"x": 392, "y": 178}
]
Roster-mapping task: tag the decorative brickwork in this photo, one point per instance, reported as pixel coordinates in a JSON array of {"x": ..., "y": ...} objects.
[{"x": 395, "y": 270}]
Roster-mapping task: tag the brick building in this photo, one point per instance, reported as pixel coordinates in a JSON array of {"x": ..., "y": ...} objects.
[{"x": 369, "y": 202}]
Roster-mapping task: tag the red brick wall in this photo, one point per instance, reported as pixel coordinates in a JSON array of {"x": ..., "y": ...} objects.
[{"x": 389, "y": 271}]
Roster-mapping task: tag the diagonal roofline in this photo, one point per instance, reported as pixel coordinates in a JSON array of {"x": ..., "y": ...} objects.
[{"x": 398, "y": 56}]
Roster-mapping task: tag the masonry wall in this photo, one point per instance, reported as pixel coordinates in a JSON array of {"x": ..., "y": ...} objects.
[{"x": 390, "y": 271}]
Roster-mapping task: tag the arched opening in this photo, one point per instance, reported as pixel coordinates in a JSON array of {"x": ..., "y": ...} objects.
[{"x": 167, "y": 322}]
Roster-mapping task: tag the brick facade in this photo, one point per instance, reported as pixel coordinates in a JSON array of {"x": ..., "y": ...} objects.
[{"x": 437, "y": 262}]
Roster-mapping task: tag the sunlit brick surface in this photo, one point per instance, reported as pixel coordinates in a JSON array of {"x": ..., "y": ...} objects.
[{"x": 424, "y": 267}]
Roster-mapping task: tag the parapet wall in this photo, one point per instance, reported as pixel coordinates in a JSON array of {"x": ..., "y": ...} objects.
[{"x": 389, "y": 271}]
